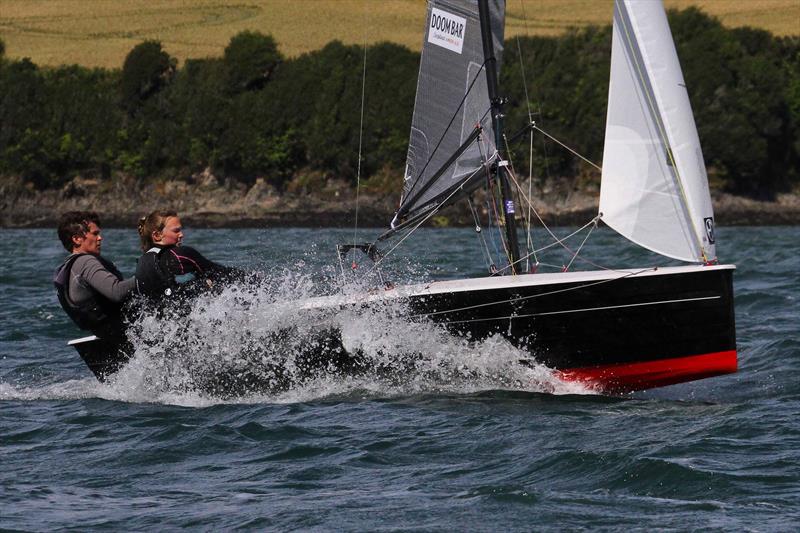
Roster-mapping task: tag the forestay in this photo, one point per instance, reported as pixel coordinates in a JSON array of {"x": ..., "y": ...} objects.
[
  {"x": 654, "y": 186},
  {"x": 452, "y": 98}
]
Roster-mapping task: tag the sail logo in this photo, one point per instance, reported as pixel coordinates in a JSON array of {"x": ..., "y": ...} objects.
[
  {"x": 446, "y": 30},
  {"x": 709, "y": 222}
]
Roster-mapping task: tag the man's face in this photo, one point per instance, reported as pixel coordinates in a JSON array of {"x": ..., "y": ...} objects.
[{"x": 89, "y": 242}]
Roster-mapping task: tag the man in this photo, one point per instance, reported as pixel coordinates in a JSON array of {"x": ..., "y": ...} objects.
[{"x": 90, "y": 288}]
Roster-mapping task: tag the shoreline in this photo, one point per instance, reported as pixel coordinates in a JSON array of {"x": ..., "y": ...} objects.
[{"x": 206, "y": 202}]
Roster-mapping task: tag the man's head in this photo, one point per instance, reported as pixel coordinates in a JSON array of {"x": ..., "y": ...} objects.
[{"x": 79, "y": 232}]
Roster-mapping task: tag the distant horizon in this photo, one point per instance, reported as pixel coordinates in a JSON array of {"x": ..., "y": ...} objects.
[{"x": 102, "y": 34}]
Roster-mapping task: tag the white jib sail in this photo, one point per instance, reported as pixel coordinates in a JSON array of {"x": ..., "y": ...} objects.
[{"x": 654, "y": 187}]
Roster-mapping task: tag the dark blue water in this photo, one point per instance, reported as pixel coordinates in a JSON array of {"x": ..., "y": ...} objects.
[{"x": 483, "y": 451}]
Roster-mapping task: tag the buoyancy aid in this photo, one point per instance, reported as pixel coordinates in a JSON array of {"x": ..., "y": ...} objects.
[{"x": 95, "y": 313}]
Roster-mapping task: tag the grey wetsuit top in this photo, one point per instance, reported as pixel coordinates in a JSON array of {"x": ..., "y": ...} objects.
[{"x": 88, "y": 273}]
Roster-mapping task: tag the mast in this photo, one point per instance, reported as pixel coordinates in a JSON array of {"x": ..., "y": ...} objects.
[{"x": 501, "y": 172}]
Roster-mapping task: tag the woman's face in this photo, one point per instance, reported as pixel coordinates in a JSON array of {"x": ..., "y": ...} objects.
[{"x": 171, "y": 234}]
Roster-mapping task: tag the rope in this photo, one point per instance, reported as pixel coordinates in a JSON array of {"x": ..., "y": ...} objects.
[
  {"x": 529, "y": 233},
  {"x": 360, "y": 136},
  {"x": 544, "y": 150},
  {"x": 479, "y": 232},
  {"x": 528, "y": 229},
  {"x": 489, "y": 208},
  {"x": 561, "y": 242},
  {"x": 521, "y": 63},
  {"x": 556, "y": 239},
  {"x": 581, "y": 246},
  {"x": 529, "y": 239},
  {"x": 427, "y": 217},
  {"x": 595, "y": 165},
  {"x": 493, "y": 200}
]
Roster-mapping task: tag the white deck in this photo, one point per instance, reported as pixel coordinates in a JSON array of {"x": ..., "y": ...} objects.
[{"x": 503, "y": 282}]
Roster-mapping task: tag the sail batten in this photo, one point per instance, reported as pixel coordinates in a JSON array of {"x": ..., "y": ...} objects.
[
  {"x": 654, "y": 188},
  {"x": 451, "y": 103}
]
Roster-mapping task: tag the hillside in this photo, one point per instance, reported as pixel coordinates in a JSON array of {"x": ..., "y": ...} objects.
[{"x": 100, "y": 33}]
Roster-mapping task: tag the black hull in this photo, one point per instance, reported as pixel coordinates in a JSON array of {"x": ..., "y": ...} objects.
[
  {"x": 617, "y": 332},
  {"x": 103, "y": 356},
  {"x": 614, "y": 331}
]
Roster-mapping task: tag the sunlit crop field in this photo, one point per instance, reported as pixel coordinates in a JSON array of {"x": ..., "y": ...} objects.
[{"x": 102, "y": 32}]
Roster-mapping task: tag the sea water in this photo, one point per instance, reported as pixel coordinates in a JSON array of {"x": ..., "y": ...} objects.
[{"x": 464, "y": 439}]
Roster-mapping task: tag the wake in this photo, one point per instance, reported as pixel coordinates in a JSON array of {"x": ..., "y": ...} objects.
[{"x": 276, "y": 341}]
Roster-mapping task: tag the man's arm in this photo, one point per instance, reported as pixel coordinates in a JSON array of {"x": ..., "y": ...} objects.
[{"x": 104, "y": 282}]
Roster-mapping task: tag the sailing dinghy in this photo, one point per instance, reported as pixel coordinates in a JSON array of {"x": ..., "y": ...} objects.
[
  {"x": 617, "y": 330},
  {"x": 613, "y": 330}
]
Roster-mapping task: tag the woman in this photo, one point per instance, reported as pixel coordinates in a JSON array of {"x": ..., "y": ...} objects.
[{"x": 167, "y": 268}]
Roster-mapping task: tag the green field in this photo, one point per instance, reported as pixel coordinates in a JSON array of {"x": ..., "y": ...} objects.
[{"x": 101, "y": 32}]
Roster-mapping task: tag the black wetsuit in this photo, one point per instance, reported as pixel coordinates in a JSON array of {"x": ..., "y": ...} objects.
[{"x": 169, "y": 271}]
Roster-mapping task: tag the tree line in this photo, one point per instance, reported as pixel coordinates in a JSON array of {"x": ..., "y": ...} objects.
[{"x": 254, "y": 113}]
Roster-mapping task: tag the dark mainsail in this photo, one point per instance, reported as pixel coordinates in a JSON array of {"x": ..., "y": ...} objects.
[{"x": 452, "y": 99}]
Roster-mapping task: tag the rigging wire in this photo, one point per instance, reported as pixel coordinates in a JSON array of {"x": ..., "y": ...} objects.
[
  {"x": 427, "y": 217},
  {"x": 529, "y": 237},
  {"x": 532, "y": 251},
  {"x": 544, "y": 146},
  {"x": 529, "y": 240},
  {"x": 555, "y": 238},
  {"x": 561, "y": 242},
  {"x": 528, "y": 231},
  {"x": 573, "y": 152},
  {"x": 360, "y": 132},
  {"x": 422, "y": 207},
  {"x": 522, "y": 63},
  {"x": 578, "y": 251}
]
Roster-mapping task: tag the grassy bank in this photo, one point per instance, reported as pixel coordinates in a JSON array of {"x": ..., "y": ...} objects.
[{"x": 101, "y": 32}]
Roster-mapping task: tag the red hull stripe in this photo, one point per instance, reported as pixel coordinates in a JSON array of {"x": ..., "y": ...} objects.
[{"x": 626, "y": 377}]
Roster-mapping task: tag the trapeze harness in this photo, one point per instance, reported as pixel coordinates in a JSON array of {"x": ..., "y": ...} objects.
[{"x": 98, "y": 312}]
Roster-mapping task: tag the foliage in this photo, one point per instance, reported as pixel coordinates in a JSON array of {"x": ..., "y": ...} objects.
[
  {"x": 55, "y": 123},
  {"x": 742, "y": 83},
  {"x": 250, "y": 59},
  {"x": 738, "y": 80},
  {"x": 254, "y": 114},
  {"x": 147, "y": 69}
]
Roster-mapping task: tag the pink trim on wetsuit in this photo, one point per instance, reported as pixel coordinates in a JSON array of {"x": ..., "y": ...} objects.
[{"x": 179, "y": 257}]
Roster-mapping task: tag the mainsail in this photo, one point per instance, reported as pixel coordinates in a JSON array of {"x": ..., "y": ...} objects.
[
  {"x": 654, "y": 188},
  {"x": 445, "y": 153}
]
